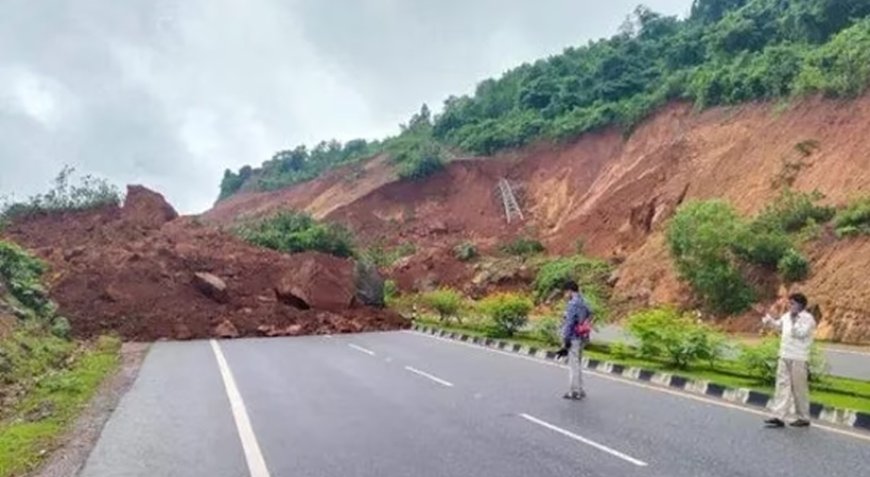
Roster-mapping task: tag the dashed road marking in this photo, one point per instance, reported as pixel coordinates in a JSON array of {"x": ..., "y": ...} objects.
[
  {"x": 361, "y": 349},
  {"x": 429, "y": 376},
  {"x": 816, "y": 425},
  {"x": 584, "y": 440}
]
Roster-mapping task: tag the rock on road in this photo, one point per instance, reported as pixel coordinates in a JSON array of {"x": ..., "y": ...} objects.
[{"x": 403, "y": 404}]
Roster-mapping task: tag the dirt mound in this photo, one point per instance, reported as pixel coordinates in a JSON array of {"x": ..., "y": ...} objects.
[
  {"x": 614, "y": 194},
  {"x": 145, "y": 274}
]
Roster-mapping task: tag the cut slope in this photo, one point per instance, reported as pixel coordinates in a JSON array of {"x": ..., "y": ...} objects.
[{"x": 614, "y": 194}]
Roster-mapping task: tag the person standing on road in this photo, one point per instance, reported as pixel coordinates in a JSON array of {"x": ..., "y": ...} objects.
[
  {"x": 576, "y": 329},
  {"x": 796, "y": 327}
]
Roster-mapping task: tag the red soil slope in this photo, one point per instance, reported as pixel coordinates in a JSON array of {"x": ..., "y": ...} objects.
[{"x": 614, "y": 193}]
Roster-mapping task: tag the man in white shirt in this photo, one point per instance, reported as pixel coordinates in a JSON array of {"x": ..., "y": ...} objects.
[{"x": 796, "y": 328}]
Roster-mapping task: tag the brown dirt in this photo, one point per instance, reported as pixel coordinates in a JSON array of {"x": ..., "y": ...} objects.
[
  {"x": 615, "y": 193},
  {"x": 133, "y": 270}
]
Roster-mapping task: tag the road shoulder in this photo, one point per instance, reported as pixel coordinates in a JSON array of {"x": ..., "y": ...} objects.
[{"x": 76, "y": 445}]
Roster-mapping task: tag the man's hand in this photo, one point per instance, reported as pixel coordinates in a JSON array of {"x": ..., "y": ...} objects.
[{"x": 562, "y": 352}]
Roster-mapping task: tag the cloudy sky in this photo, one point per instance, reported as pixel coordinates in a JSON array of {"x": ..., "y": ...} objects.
[{"x": 169, "y": 93}]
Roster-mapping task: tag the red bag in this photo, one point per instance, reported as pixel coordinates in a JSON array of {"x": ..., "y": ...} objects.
[{"x": 584, "y": 329}]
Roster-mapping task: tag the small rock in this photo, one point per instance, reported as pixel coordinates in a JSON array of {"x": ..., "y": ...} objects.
[
  {"x": 73, "y": 253},
  {"x": 226, "y": 330},
  {"x": 294, "y": 330},
  {"x": 211, "y": 286},
  {"x": 182, "y": 332}
]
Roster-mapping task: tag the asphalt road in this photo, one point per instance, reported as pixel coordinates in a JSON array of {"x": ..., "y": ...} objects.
[
  {"x": 403, "y": 404},
  {"x": 847, "y": 362}
]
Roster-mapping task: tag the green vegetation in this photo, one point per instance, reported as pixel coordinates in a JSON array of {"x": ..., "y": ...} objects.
[
  {"x": 523, "y": 247},
  {"x": 830, "y": 391},
  {"x": 589, "y": 273},
  {"x": 854, "y": 219},
  {"x": 292, "y": 232},
  {"x": 547, "y": 330},
  {"x": 793, "y": 267},
  {"x": 465, "y": 252},
  {"x": 65, "y": 383},
  {"x": 700, "y": 237},
  {"x": 44, "y": 377},
  {"x": 383, "y": 256},
  {"x": 723, "y": 53},
  {"x": 297, "y": 165},
  {"x": 446, "y": 302},
  {"x": 760, "y": 361},
  {"x": 415, "y": 152},
  {"x": 20, "y": 275},
  {"x": 674, "y": 337},
  {"x": 712, "y": 246},
  {"x": 64, "y": 196},
  {"x": 793, "y": 211},
  {"x": 508, "y": 311}
]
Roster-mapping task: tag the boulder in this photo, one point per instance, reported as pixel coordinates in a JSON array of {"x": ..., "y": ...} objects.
[
  {"x": 369, "y": 285},
  {"x": 211, "y": 286},
  {"x": 226, "y": 329},
  {"x": 146, "y": 208},
  {"x": 319, "y": 281}
]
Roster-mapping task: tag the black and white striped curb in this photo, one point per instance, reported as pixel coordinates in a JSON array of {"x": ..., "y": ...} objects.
[{"x": 749, "y": 397}]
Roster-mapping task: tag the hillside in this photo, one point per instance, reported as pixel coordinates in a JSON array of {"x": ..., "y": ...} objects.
[
  {"x": 724, "y": 53},
  {"x": 615, "y": 194}
]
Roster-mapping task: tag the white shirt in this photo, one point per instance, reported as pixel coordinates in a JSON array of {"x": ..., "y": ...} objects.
[{"x": 796, "y": 334}]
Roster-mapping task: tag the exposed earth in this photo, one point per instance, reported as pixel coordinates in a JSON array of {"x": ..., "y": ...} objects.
[
  {"x": 614, "y": 194},
  {"x": 145, "y": 273}
]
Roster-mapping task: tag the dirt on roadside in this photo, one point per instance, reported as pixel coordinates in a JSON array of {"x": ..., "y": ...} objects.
[{"x": 145, "y": 273}]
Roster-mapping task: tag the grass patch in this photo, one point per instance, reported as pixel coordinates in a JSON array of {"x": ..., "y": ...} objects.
[
  {"x": 46, "y": 412},
  {"x": 832, "y": 391}
]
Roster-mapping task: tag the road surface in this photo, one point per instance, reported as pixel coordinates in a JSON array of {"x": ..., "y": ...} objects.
[
  {"x": 847, "y": 362},
  {"x": 405, "y": 404}
]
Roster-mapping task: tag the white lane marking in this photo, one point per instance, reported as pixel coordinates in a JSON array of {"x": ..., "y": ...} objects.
[
  {"x": 429, "y": 376},
  {"x": 584, "y": 440},
  {"x": 361, "y": 349},
  {"x": 611, "y": 377},
  {"x": 256, "y": 463}
]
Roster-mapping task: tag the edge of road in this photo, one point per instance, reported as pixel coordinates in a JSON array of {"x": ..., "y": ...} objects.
[{"x": 743, "y": 396}]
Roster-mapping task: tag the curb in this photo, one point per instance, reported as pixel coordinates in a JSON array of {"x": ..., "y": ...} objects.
[{"x": 747, "y": 397}]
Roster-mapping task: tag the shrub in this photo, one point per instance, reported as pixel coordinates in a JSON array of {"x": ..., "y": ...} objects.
[
  {"x": 89, "y": 193},
  {"x": 381, "y": 256},
  {"x": 523, "y": 247},
  {"x": 793, "y": 266},
  {"x": 854, "y": 219},
  {"x": 761, "y": 360},
  {"x": 700, "y": 238},
  {"x": 590, "y": 273},
  {"x": 391, "y": 290},
  {"x": 621, "y": 351},
  {"x": 667, "y": 334},
  {"x": 508, "y": 311},
  {"x": 444, "y": 301},
  {"x": 292, "y": 232},
  {"x": 465, "y": 252},
  {"x": 22, "y": 273},
  {"x": 762, "y": 247},
  {"x": 792, "y": 211},
  {"x": 60, "y": 327},
  {"x": 548, "y": 330}
]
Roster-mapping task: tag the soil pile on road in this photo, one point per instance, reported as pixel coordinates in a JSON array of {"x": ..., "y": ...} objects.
[{"x": 143, "y": 272}]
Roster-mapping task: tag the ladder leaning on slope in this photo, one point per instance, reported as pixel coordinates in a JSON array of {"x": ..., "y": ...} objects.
[{"x": 511, "y": 207}]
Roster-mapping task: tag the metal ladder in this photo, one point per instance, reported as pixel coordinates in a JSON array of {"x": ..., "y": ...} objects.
[{"x": 511, "y": 207}]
